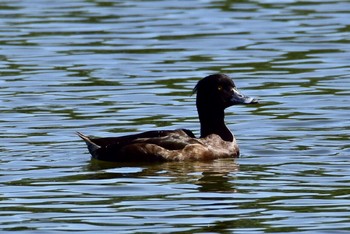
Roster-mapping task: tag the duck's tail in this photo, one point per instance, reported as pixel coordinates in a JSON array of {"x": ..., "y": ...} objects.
[{"x": 93, "y": 147}]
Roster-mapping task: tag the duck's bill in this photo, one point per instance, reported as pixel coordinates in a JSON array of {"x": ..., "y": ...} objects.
[{"x": 238, "y": 98}]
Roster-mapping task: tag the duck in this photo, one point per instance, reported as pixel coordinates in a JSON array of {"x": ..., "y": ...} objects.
[{"x": 214, "y": 93}]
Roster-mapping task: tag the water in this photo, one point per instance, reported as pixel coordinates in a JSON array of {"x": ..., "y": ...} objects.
[{"x": 115, "y": 67}]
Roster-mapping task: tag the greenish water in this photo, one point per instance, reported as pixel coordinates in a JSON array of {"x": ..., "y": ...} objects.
[{"x": 110, "y": 68}]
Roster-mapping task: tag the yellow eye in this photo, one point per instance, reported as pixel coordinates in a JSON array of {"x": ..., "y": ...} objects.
[{"x": 219, "y": 87}]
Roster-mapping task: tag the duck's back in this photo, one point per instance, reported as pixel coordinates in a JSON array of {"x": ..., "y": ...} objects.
[{"x": 174, "y": 145}]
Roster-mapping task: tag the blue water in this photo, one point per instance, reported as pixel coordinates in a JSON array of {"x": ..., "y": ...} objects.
[{"x": 108, "y": 68}]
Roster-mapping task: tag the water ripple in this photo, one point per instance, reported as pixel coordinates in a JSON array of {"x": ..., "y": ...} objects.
[{"x": 115, "y": 67}]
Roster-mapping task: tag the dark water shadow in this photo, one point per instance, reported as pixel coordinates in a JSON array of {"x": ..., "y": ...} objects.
[{"x": 213, "y": 176}]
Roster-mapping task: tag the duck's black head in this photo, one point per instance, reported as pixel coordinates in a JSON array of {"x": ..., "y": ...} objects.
[
  {"x": 215, "y": 93},
  {"x": 219, "y": 91}
]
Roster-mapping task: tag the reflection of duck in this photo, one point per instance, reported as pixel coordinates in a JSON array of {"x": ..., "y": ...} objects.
[
  {"x": 214, "y": 94},
  {"x": 207, "y": 176}
]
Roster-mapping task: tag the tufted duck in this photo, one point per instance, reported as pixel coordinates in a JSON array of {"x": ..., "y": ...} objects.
[{"x": 214, "y": 94}]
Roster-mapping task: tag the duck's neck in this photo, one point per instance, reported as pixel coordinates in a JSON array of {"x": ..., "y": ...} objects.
[{"x": 213, "y": 122}]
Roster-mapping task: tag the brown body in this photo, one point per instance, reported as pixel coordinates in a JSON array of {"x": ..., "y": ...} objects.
[{"x": 174, "y": 145}]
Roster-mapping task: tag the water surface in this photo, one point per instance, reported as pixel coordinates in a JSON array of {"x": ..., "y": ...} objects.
[{"x": 110, "y": 68}]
